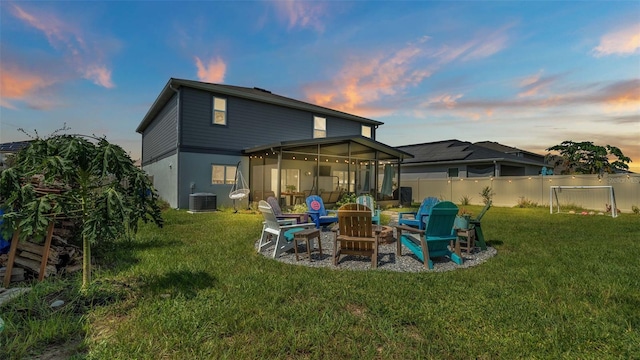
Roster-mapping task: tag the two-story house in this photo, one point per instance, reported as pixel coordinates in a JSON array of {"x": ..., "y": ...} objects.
[{"x": 197, "y": 136}]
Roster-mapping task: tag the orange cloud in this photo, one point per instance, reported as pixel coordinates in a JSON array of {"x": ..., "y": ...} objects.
[
  {"x": 622, "y": 95},
  {"x": 17, "y": 84},
  {"x": 85, "y": 55},
  {"x": 624, "y": 41},
  {"x": 213, "y": 72},
  {"x": 363, "y": 82},
  {"x": 304, "y": 14}
]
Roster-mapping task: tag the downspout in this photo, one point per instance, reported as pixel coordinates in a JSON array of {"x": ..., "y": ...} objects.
[
  {"x": 400, "y": 160},
  {"x": 278, "y": 187},
  {"x": 177, "y": 143}
]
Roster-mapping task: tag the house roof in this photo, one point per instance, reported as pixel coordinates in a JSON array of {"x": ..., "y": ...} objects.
[
  {"x": 456, "y": 151},
  {"x": 392, "y": 152},
  {"x": 504, "y": 148},
  {"x": 12, "y": 147},
  {"x": 256, "y": 94}
]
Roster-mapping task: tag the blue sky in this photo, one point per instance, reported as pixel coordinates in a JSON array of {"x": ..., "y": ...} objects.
[{"x": 525, "y": 74}]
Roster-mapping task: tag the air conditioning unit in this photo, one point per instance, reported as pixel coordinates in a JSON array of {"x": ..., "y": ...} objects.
[{"x": 200, "y": 202}]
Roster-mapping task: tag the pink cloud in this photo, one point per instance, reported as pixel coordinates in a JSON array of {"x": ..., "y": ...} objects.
[
  {"x": 487, "y": 46},
  {"x": 447, "y": 100},
  {"x": 212, "y": 72},
  {"x": 624, "y": 41},
  {"x": 304, "y": 14},
  {"x": 536, "y": 84},
  {"x": 364, "y": 81},
  {"x": 100, "y": 75},
  {"x": 620, "y": 94},
  {"x": 479, "y": 46},
  {"x": 85, "y": 55}
]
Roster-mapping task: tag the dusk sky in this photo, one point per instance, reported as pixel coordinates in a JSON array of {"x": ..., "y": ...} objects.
[{"x": 527, "y": 74}]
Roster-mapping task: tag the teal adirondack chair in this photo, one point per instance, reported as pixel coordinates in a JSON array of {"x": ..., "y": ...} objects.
[
  {"x": 419, "y": 218},
  {"x": 434, "y": 240},
  {"x": 475, "y": 224},
  {"x": 367, "y": 201}
]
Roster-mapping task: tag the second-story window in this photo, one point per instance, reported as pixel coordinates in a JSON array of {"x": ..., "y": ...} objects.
[
  {"x": 319, "y": 127},
  {"x": 366, "y": 131},
  {"x": 219, "y": 111}
]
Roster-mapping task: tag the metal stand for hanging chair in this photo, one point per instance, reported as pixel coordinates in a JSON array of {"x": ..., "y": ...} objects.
[{"x": 237, "y": 193}]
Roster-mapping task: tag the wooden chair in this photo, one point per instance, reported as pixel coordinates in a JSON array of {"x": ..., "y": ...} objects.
[
  {"x": 275, "y": 231},
  {"x": 367, "y": 200},
  {"x": 434, "y": 240},
  {"x": 418, "y": 218},
  {"x": 355, "y": 234}
]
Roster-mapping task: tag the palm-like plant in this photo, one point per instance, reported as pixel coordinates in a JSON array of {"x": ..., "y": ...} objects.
[{"x": 94, "y": 182}]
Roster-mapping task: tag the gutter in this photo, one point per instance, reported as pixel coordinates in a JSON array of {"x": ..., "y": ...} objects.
[{"x": 478, "y": 161}]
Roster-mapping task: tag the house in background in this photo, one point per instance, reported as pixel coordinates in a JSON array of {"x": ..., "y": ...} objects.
[
  {"x": 10, "y": 148},
  {"x": 461, "y": 159},
  {"x": 196, "y": 137}
]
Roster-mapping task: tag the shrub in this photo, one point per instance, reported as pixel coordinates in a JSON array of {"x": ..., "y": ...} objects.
[
  {"x": 299, "y": 208},
  {"x": 465, "y": 200},
  {"x": 347, "y": 199},
  {"x": 487, "y": 194},
  {"x": 635, "y": 209}
]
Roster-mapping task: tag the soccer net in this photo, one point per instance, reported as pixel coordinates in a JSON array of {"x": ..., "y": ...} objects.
[{"x": 583, "y": 200}]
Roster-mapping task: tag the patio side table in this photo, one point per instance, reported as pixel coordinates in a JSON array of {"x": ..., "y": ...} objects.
[{"x": 307, "y": 235}]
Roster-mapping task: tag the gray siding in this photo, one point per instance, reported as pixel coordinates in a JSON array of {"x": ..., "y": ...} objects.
[
  {"x": 196, "y": 169},
  {"x": 165, "y": 178},
  {"x": 249, "y": 124},
  {"x": 159, "y": 138}
]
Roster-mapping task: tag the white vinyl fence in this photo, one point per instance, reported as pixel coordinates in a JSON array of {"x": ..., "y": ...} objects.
[{"x": 510, "y": 189}]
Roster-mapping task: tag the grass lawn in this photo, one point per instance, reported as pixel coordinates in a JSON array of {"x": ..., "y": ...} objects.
[{"x": 561, "y": 286}]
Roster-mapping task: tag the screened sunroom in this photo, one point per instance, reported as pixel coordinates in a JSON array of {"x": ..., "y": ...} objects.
[{"x": 329, "y": 167}]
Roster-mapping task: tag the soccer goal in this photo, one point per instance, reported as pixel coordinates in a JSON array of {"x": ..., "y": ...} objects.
[{"x": 597, "y": 199}]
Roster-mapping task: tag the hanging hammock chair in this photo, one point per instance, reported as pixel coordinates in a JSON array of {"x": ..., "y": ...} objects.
[{"x": 240, "y": 189}]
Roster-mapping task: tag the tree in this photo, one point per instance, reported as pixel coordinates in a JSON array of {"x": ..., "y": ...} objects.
[
  {"x": 587, "y": 158},
  {"x": 86, "y": 179}
]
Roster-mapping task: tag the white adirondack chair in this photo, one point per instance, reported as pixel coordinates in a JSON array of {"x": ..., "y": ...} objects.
[{"x": 278, "y": 232}]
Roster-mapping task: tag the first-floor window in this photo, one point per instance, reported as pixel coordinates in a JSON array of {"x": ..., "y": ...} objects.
[{"x": 223, "y": 174}]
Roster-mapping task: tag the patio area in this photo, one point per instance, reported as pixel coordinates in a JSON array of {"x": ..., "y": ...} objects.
[{"x": 387, "y": 259}]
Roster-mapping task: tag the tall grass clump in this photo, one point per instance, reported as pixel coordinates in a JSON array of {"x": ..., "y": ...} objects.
[{"x": 523, "y": 202}]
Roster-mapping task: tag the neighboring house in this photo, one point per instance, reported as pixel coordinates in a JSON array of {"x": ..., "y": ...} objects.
[
  {"x": 461, "y": 159},
  {"x": 196, "y": 136},
  {"x": 8, "y": 149}
]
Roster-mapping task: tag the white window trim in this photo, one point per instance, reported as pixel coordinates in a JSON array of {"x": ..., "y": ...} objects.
[
  {"x": 367, "y": 128},
  {"x": 223, "y": 102},
  {"x": 227, "y": 169},
  {"x": 319, "y": 130}
]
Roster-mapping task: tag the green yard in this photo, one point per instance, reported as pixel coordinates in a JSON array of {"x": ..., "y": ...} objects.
[{"x": 561, "y": 286}]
